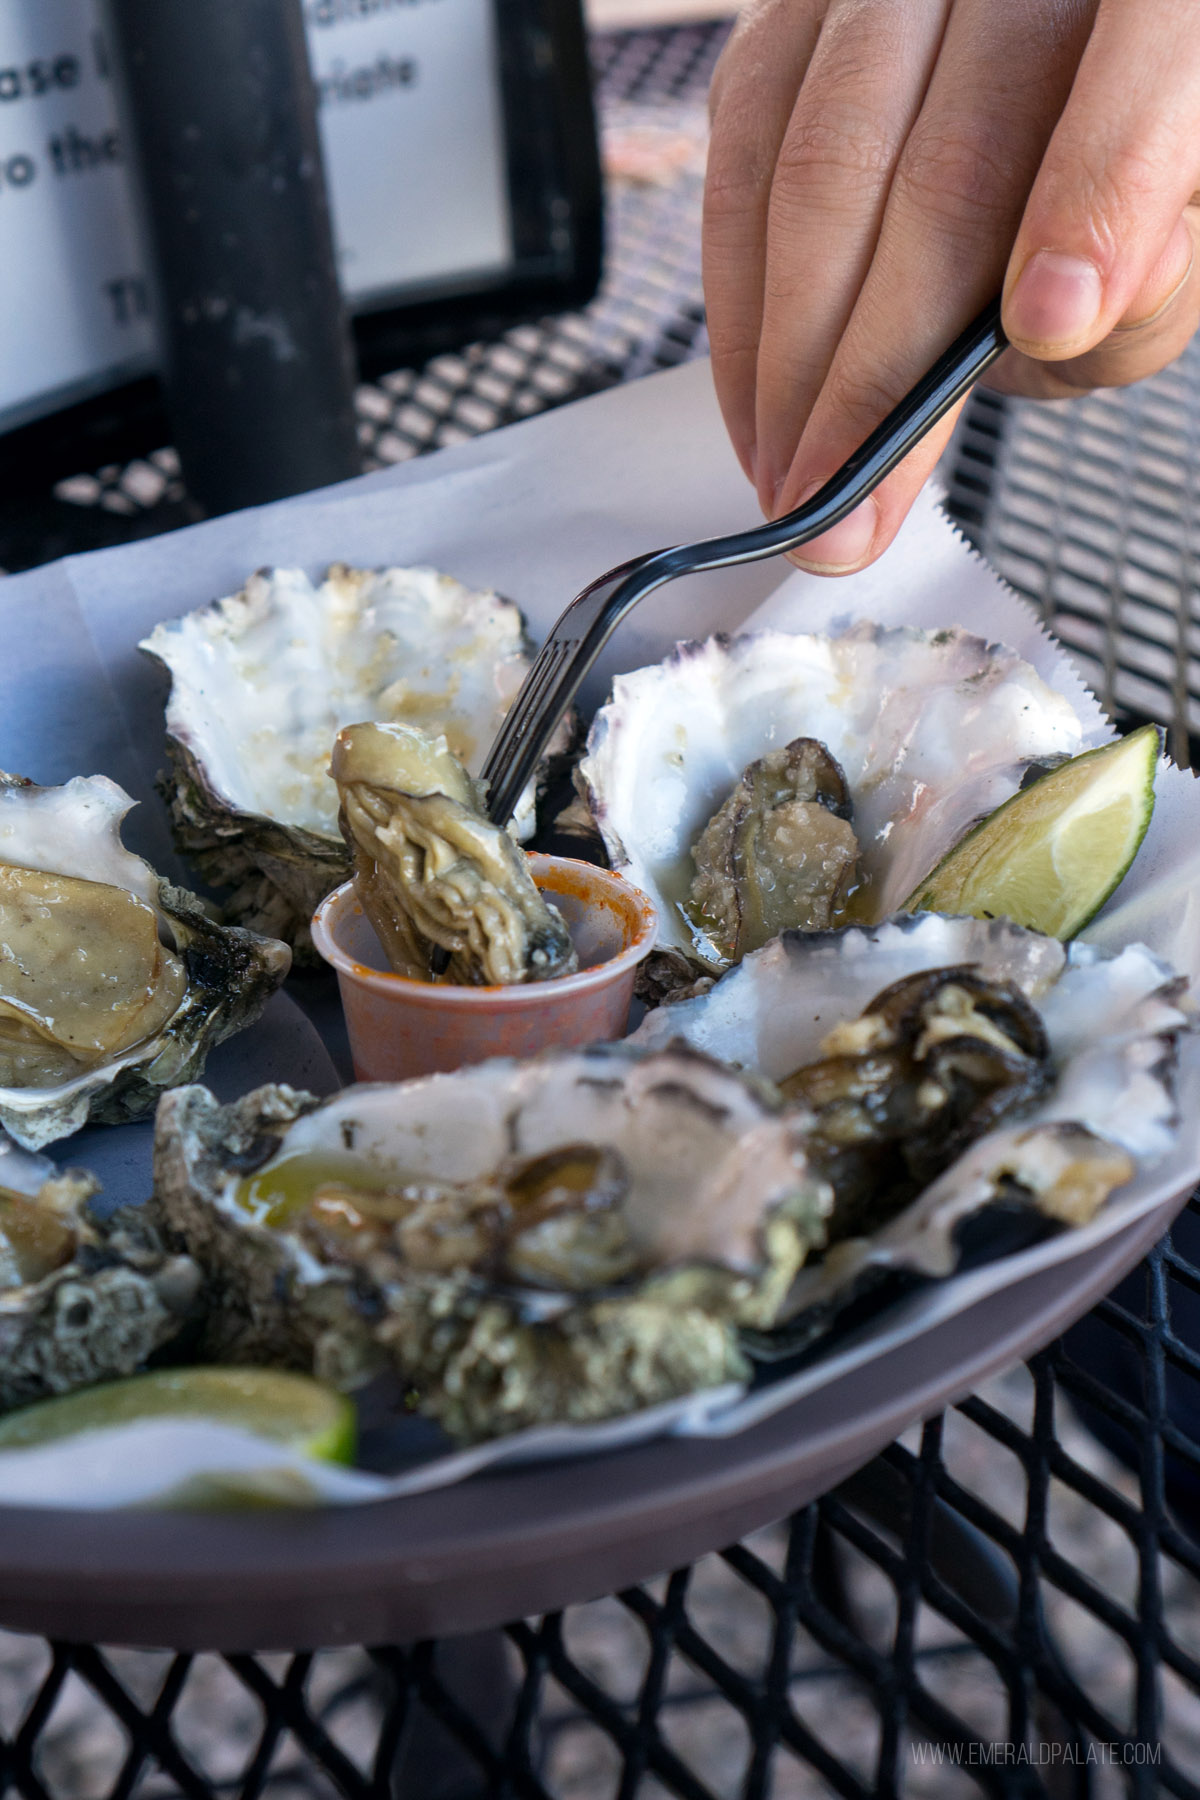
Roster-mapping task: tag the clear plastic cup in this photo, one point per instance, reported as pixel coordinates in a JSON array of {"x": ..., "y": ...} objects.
[{"x": 399, "y": 1027}]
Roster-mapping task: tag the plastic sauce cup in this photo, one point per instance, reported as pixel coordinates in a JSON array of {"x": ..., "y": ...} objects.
[{"x": 399, "y": 1027}]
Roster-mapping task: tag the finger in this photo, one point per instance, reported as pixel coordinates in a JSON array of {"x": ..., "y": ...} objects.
[
  {"x": 750, "y": 101},
  {"x": 1159, "y": 325},
  {"x": 857, "y": 543},
  {"x": 1120, "y": 169},
  {"x": 862, "y": 93},
  {"x": 1003, "y": 74}
]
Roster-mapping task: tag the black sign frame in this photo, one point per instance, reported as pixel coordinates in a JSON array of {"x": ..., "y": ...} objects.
[{"x": 556, "y": 199}]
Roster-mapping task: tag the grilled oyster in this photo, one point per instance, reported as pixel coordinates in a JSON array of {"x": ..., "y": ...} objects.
[
  {"x": 113, "y": 984},
  {"x": 262, "y": 682},
  {"x": 589, "y": 1245},
  {"x": 81, "y": 1299},
  {"x": 430, "y": 869},
  {"x": 1055, "y": 1059},
  {"x": 931, "y": 729}
]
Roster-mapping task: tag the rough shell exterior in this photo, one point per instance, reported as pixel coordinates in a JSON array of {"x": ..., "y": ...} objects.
[
  {"x": 231, "y": 973},
  {"x": 265, "y": 1299},
  {"x": 484, "y": 1360},
  {"x": 262, "y": 682},
  {"x": 932, "y": 729},
  {"x": 121, "y": 1298}
]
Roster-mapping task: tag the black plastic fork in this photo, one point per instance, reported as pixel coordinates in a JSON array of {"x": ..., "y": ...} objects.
[{"x": 590, "y": 620}]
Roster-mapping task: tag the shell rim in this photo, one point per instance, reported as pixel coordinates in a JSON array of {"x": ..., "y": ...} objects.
[{"x": 177, "y": 731}]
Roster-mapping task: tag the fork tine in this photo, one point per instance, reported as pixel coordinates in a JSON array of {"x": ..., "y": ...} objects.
[
  {"x": 530, "y": 720},
  {"x": 526, "y": 705},
  {"x": 576, "y": 640},
  {"x": 541, "y": 678}
]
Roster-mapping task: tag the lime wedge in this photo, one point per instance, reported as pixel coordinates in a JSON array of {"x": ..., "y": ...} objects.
[
  {"x": 1050, "y": 857},
  {"x": 283, "y": 1408}
]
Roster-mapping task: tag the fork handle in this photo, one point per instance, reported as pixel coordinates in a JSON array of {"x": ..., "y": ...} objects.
[{"x": 953, "y": 374}]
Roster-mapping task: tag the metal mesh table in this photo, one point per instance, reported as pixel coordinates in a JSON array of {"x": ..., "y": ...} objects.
[{"x": 1008, "y": 1600}]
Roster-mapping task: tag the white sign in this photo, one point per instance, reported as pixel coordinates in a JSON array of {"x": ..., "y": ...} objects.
[
  {"x": 413, "y": 131},
  {"x": 409, "y": 103}
]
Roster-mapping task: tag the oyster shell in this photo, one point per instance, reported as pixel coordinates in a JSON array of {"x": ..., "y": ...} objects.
[
  {"x": 81, "y": 1299},
  {"x": 932, "y": 729},
  {"x": 97, "y": 1012},
  {"x": 262, "y": 682},
  {"x": 431, "y": 870},
  {"x": 1078, "y": 1130},
  {"x": 567, "y": 1238}
]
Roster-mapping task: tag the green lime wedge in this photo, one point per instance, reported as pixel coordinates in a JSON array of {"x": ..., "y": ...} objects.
[
  {"x": 284, "y": 1408},
  {"x": 1050, "y": 857}
]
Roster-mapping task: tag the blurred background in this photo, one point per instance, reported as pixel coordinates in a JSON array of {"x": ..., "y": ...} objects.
[
  {"x": 816, "y": 1658},
  {"x": 196, "y": 320}
]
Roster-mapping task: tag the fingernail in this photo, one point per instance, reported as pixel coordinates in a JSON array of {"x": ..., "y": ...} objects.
[
  {"x": 845, "y": 544},
  {"x": 1055, "y": 302}
]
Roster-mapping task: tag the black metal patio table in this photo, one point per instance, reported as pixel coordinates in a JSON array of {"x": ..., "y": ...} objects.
[{"x": 1007, "y": 1600}]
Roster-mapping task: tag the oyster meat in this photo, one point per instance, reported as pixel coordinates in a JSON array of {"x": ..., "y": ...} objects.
[
  {"x": 431, "y": 870},
  {"x": 81, "y": 1299},
  {"x": 262, "y": 682},
  {"x": 590, "y": 1244},
  {"x": 935, "y": 1061},
  {"x": 997, "y": 1070},
  {"x": 779, "y": 852},
  {"x": 113, "y": 984},
  {"x": 930, "y": 730}
]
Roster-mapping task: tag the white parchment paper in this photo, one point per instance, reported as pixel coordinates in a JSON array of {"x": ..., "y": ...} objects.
[{"x": 537, "y": 510}]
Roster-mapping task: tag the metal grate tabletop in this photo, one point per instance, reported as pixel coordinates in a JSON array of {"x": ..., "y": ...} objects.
[
  {"x": 1008, "y": 1601},
  {"x": 1090, "y": 508}
]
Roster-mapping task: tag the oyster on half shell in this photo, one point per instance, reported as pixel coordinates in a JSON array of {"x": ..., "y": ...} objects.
[
  {"x": 82, "y": 1299},
  {"x": 113, "y": 984},
  {"x": 779, "y": 851},
  {"x": 262, "y": 682},
  {"x": 932, "y": 729},
  {"x": 1061, "y": 1055},
  {"x": 933, "y": 1062},
  {"x": 431, "y": 870},
  {"x": 567, "y": 1238}
]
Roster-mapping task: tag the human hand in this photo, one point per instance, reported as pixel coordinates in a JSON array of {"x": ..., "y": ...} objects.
[{"x": 879, "y": 168}]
